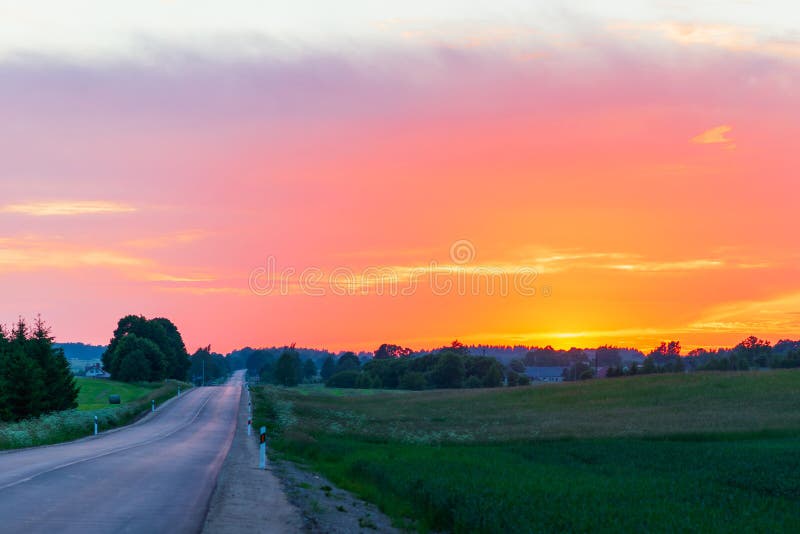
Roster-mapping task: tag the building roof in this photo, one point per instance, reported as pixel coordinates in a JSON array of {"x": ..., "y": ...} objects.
[{"x": 544, "y": 372}]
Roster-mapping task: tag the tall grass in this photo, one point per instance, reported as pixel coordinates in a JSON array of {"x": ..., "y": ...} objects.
[{"x": 68, "y": 425}]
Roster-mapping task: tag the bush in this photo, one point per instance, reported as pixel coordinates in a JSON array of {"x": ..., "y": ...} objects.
[
  {"x": 344, "y": 379},
  {"x": 413, "y": 380}
]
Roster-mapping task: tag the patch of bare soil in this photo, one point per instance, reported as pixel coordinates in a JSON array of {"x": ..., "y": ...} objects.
[{"x": 327, "y": 509}]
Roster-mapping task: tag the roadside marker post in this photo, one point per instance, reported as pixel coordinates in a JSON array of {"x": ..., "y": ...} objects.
[
  {"x": 179, "y": 391},
  {"x": 153, "y": 405},
  {"x": 262, "y": 453},
  {"x": 95, "y": 425},
  {"x": 249, "y": 426}
]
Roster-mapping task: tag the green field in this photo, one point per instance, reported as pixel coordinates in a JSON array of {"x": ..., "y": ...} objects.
[
  {"x": 705, "y": 451},
  {"x": 94, "y": 392},
  {"x": 67, "y": 425}
]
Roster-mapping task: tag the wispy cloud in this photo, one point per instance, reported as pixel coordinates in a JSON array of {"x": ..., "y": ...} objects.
[
  {"x": 666, "y": 266},
  {"x": 738, "y": 38},
  {"x": 67, "y": 208},
  {"x": 162, "y": 241},
  {"x": 714, "y": 136}
]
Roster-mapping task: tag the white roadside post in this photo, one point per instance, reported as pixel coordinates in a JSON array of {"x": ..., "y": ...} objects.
[
  {"x": 179, "y": 391},
  {"x": 249, "y": 426},
  {"x": 262, "y": 453},
  {"x": 153, "y": 405},
  {"x": 95, "y": 425}
]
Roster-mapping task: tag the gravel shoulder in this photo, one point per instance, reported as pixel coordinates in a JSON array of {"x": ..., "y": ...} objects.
[
  {"x": 246, "y": 498},
  {"x": 282, "y": 498}
]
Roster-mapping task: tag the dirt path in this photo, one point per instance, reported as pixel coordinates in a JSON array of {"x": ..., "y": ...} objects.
[{"x": 248, "y": 499}]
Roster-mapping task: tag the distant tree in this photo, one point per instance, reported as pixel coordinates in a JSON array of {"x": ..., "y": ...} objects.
[
  {"x": 544, "y": 357},
  {"x": 256, "y": 360},
  {"x": 414, "y": 380},
  {"x": 753, "y": 351},
  {"x": 387, "y": 350},
  {"x": 328, "y": 368},
  {"x": 517, "y": 366},
  {"x": 347, "y": 362},
  {"x": 578, "y": 371},
  {"x": 309, "y": 369},
  {"x": 456, "y": 347},
  {"x": 449, "y": 371},
  {"x": 473, "y": 382},
  {"x": 288, "y": 369},
  {"x": 344, "y": 379},
  {"x": 207, "y": 366},
  {"x": 607, "y": 355}
]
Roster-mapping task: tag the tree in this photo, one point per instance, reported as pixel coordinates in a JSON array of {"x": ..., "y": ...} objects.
[
  {"x": 288, "y": 370},
  {"x": 413, "y": 380},
  {"x": 449, "y": 371},
  {"x": 328, "y": 368},
  {"x": 256, "y": 361},
  {"x": 517, "y": 366},
  {"x": 387, "y": 350},
  {"x": 173, "y": 361},
  {"x": 347, "y": 362},
  {"x": 456, "y": 347},
  {"x": 754, "y": 351},
  {"x": 172, "y": 346},
  {"x": 309, "y": 369},
  {"x": 22, "y": 384},
  {"x": 345, "y": 379},
  {"x": 133, "y": 366},
  {"x": 62, "y": 390},
  {"x": 607, "y": 355},
  {"x": 152, "y": 367}
]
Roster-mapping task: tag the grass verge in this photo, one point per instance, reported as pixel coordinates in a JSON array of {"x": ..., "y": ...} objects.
[{"x": 68, "y": 425}]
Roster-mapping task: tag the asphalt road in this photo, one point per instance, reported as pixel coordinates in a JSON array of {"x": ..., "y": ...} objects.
[{"x": 151, "y": 477}]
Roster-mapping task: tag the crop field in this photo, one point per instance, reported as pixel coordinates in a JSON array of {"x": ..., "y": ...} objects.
[{"x": 704, "y": 451}]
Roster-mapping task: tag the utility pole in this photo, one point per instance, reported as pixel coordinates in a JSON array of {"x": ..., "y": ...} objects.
[{"x": 204, "y": 371}]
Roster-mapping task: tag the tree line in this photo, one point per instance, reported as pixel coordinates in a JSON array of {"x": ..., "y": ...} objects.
[{"x": 35, "y": 376}]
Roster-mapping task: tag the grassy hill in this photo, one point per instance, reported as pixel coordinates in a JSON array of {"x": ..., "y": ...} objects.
[
  {"x": 704, "y": 451},
  {"x": 94, "y": 392}
]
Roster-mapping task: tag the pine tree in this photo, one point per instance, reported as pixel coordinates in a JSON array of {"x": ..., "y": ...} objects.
[{"x": 23, "y": 386}]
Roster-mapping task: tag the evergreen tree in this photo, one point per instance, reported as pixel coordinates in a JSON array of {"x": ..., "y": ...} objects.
[
  {"x": 23, "y": 387},
  {"x": 62, "y": 391}
]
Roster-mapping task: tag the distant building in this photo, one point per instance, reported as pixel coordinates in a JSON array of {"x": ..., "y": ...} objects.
[
  {"x": 95, "y": 371},
  {"x": 545, "y": 374}
]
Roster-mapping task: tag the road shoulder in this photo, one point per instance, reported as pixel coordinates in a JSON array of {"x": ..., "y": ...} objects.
[{"x": 248, "y": 499}]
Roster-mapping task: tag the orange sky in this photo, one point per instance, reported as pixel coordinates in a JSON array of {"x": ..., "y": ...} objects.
[{"x": 645, "y": 172}]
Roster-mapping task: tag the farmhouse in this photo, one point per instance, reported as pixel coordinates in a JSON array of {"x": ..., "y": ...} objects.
[{"x": 545, "y": 374}]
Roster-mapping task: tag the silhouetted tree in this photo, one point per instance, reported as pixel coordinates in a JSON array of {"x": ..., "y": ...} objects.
[
  {"x": 347, "y": 362},
  {"x": 328, "y": 368},
  {"x": 392, "y": 351},
  {"x": 309, "y": 369},
  {"x": 288, "y": 369}
]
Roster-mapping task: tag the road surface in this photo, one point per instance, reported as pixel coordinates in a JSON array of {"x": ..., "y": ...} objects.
[{"x": 154, "y": 476}]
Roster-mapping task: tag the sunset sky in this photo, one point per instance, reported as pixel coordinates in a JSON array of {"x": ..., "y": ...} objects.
[{"x": 156, "y": 157}]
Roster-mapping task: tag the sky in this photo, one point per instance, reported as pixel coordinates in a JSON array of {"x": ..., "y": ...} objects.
[{"x": 340, "y": 175}]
